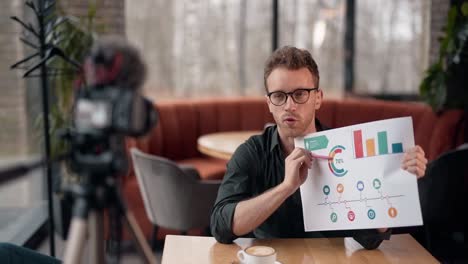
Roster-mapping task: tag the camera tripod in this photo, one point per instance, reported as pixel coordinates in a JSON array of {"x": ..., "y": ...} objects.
[{"x": 91, "y": 197}]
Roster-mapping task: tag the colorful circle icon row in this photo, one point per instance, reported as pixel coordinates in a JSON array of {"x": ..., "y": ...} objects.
[
  {"x": 392, "y": 212},
  {"x": 339, "y": 189},
  {"x": 359, "y": 185},
  {"x": 376, "y": 184}
]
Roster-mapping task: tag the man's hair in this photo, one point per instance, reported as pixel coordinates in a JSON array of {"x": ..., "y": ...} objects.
[{"x": 291, "y": 58}]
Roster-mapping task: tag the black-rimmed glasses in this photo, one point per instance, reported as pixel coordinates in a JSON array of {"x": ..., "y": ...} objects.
[{"x": 299, "y": 96}]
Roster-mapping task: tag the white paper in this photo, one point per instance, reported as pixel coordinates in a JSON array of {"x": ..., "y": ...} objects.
[{"x": 355, "y": 189}]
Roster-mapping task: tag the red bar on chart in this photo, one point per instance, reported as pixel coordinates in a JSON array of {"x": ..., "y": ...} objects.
[{"x": 358, "y": 151}]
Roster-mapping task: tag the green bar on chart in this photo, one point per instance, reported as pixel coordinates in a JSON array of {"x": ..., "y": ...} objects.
[{"x": 382, "y": 140}]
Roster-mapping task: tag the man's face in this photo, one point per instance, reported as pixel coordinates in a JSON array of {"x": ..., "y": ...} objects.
[{"x": 293, "y": 119}]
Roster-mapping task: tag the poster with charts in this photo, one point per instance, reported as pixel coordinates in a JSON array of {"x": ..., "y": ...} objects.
[{"x": 361, "y": 185}]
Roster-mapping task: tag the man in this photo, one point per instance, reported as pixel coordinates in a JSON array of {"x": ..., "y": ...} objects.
[{"x": 260, "y": 191}]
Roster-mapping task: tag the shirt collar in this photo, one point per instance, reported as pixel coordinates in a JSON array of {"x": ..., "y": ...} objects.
[{"x": 275, "y": 136}]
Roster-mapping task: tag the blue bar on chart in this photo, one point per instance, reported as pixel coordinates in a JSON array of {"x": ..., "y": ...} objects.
[{"x": 397, "y": 148}]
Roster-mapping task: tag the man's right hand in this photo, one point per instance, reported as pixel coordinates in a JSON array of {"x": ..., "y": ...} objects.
[
  {"x": 251, "y": 213},
  {"x": 297, "y": 165}
]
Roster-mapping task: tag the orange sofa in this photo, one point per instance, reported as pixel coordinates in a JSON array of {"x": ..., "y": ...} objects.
[{"x": 182, "y": 122}]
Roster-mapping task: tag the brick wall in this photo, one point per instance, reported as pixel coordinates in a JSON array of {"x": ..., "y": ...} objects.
[{"x": 439, "y": 10}]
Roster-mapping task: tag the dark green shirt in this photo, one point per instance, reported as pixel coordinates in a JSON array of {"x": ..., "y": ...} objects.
[{"x": 257, "y": 166}]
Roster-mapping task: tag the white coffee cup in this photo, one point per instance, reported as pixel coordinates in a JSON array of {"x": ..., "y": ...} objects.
[{"x": 257, "y": 255}]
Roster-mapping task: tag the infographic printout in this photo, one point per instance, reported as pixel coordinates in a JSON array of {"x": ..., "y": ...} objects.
[{"x": 361, "y": 185}]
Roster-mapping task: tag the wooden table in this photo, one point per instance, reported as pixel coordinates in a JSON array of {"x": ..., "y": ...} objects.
[
  {"x": 223, "y": 144},
  {"x": 193, "y": 249}
]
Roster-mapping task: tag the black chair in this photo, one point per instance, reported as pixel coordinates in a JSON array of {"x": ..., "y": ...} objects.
[{"x": 443, "y": 192}]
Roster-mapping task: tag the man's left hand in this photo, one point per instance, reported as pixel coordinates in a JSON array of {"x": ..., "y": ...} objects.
[{"x": 414, "y": 161}]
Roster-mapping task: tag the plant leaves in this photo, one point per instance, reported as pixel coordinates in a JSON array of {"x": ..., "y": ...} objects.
[
  {"x": 464, "y": 9},
  {"x": 434, "y": 86}
]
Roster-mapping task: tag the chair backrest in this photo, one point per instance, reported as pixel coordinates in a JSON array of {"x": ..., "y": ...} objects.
[{"x": 172, "y": 198}]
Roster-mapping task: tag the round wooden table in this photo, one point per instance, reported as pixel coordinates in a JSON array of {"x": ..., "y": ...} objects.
[{"x": 223, "y": 144}]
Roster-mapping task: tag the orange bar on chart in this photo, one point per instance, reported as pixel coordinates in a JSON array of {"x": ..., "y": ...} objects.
[{"x": 370, "y": 147}]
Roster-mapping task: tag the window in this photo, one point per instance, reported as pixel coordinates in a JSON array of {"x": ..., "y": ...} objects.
[
  {"x": 392, "y": 46},
  {"x": 22, "y": 201},
  {"x": 201, "y": 48},
  {"x": 218, "y": 48},
  {"x": 317, "y": 26}
]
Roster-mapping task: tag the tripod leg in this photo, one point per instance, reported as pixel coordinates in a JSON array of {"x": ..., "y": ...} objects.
[
  {"x": 75, "y": 241},
  {"x": 115, "y": 235},
  {"x": 96, "y": 237},
  {"x": 154, "y": 237}
]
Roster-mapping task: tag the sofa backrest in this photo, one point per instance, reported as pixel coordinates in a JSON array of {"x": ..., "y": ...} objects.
[{"x": 181, "y": 122}]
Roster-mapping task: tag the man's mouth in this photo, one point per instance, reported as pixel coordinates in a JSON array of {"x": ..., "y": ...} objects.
[{"x": 290, "y": 120}]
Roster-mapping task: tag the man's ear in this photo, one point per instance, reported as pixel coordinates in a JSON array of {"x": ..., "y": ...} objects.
[
  {"x": 318, "y": 99},
  {"x": 268, "y": 102}
]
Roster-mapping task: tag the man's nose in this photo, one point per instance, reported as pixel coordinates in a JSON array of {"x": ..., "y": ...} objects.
[{"x": 290, "y": 104}]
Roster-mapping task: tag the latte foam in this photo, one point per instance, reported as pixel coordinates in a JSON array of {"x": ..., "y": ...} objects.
[{"x": 260, "y": 251}]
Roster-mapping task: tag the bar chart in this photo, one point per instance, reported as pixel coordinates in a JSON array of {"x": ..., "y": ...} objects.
[{"x": 369, "y": 147}]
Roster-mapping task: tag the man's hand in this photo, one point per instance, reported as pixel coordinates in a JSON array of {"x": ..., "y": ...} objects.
[
  {"x": 251, "y": 213},
  {"x": 297, "y": 165},
  {"x": 414, "y": 161}
]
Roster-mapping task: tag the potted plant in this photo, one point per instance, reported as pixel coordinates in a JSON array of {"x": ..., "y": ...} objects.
[{"x": 444, "y": 85}]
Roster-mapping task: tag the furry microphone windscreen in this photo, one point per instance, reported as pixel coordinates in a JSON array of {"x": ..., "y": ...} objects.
[{"x": 115, "y": 62}]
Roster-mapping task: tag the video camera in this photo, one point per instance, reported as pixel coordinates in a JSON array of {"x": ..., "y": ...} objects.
[
  {"x": 102, "y": 117},
  {"x": 106, "y": 110}
]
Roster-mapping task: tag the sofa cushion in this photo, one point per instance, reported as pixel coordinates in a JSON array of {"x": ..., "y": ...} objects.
[
  {"x": 447, "y": 132},
  {"x": 179, "y": 130}
]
